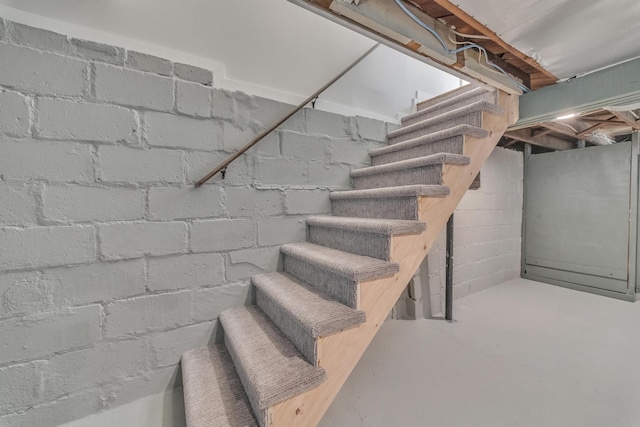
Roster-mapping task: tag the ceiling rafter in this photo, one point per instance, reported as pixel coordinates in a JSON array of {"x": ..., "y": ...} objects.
[
  {"x": 628, "y": 118},
  {"x": 547, "y": 141},
  {"x": 572, "y": 130}
]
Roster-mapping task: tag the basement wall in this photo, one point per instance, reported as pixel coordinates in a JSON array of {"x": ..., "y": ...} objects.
[
  {"x": 487, "y": 234},
  {"x": 111, "y": 264}
]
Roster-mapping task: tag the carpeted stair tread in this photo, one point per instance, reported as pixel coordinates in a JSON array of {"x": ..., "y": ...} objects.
[
  {"x": 268, "y": 364},
  {"x": 350, "y": 266},
  {"x": 429, "y": 138},
  {"x": 317, "y": 313},
  {"x": 434, "y": 159},
  {"x": 450, "y": 115},
  {"x": 393, "y": 192},
  {"x": 213, "y": 393},
  {"x": 447, "y": 104},
  {"x": 368, "y": 225},
  {"x": 445, "y": 96}
]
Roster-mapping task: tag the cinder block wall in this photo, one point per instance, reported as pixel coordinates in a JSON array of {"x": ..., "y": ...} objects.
[
  {"x": 111, "y": 264},
  {"x": 487, "y": 233}
]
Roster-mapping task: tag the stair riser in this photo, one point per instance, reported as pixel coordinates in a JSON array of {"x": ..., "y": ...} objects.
[
  {"x": 427, "y": 175},
  {"x": 260, "y": 414},
  {"x": 391, "y": 208},
  {"x": 303, "y": 341},
  {"x": 356, "y": 242},
  {"x": 473, "y": 119},
  {"x": 453, "y": 145},
  {"x": 338, "y": 287},
  {"x": 447, "y": 106}
]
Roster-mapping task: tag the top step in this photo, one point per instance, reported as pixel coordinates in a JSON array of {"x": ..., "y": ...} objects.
[
  {"x": 468, "y": 97},
  {"x": 470, "y": 114},
  {"x": 444, "y": 96}
]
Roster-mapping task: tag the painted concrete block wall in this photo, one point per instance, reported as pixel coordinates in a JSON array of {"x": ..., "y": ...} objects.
[
  {"x": 487, "y": 235},
  {"x": 111, "y": 264}
]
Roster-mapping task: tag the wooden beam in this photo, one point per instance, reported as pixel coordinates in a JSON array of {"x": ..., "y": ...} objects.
[
  {"x": 600, "y": 121},
  {"x": 589, "y": 130},
  {"x": 577, "y": 133},
  {"x": 473, "y": 23},
  {"x": 510, "y": 143},
  {"x": 541, "y": 133},
  {"x": 545, "y": 141},
  {"x": 561, "y": 129},
  {"x": 628, "y": 118}
]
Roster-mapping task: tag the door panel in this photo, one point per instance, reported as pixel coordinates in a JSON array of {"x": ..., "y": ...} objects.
[{"x": 577, "y": 216}]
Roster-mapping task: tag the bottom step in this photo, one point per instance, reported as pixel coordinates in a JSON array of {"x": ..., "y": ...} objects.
[
  {"x": 270, "y": 367},
  {"x": 213, "y": 393}
]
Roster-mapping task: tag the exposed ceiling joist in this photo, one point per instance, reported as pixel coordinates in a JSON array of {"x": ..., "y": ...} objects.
[
  {"x": 575, "y": 130},
  {"x": 601, "y": 121},
  {"x": 590, "y": 129},
  {"x": 628, "y": 118},
  {"x": 483, "y": 30},
  {"x": 547, "y": 141},
  {"x": 385, "y": 21}
]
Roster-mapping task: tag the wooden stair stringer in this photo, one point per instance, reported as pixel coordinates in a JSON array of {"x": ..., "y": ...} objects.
[{"x": 339, "y": 353}]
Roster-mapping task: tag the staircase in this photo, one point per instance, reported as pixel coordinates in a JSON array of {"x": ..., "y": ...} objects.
[{"x": 285, "y": 358}]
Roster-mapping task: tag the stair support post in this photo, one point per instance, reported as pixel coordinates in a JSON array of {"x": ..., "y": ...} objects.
[{"x": 448, "y": 312}]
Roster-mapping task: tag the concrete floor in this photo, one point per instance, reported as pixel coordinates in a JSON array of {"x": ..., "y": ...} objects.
[{"x": 520, "y": 354}]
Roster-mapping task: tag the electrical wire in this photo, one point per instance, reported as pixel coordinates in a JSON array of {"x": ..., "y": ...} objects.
[
  {"x": 481, "y": 52},
  {"x": 469, "y": 36},
  {"x": 601, "y": 135},
  {"x": 460, "y": 49}
]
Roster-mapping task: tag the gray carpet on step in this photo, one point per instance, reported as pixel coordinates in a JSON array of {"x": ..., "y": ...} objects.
[
  {"x": 469, "y": 114},
  {"x": 470, "y": 97},
  {"x": 390, "y": 203},
  {"x": 302, "y": 312},
  {"x": 361, "y": 236},
  {"x": 270, "y": 367},
  {"x": 213, "y": 393},
  {"x": 422, "y": 170}
]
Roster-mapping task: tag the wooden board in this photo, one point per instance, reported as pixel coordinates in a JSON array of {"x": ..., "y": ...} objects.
[{"x": 482, "y": 29}]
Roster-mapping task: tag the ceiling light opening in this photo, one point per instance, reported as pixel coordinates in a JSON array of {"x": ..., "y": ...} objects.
[{"x": 566, "y": 116}]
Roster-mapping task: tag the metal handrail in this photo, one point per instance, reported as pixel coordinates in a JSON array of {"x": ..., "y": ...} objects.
[{"x": 258, "y": 138}]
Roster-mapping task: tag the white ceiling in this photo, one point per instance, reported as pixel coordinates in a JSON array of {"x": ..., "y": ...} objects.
[{"x": 567, "y": 37}]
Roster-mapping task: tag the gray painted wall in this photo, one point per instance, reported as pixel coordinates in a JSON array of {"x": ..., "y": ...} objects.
[
  {"x": 578, "y": 230},
  {"x": 111, "y": 265},
  {"x": 487, "y": 239}
]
